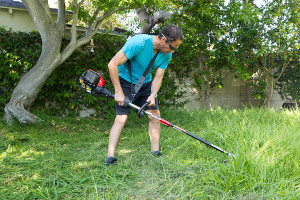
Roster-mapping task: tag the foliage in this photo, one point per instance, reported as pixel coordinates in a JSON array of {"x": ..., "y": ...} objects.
[
  {"x": 60, "y": 94},
  {"x": 288, "y": 84},
  {"x": 192, "y": 58},
  {"x": 260, "y": 41},
  {"x": 278, "y": 43},
  {"x": 249, "y": 41},
  {"x": 63, "y": 158},
  {"x": 15, "y": 60}
]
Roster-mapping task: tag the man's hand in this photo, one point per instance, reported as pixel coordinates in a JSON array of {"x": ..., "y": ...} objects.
[
  {"x": 151, "y": 99},
  {"x": 119, "y": 98}
]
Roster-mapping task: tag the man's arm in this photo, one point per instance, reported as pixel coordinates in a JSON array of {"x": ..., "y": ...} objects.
[
  {"x": 117, "y": 60},
  {"x": 156, "y": 83}
]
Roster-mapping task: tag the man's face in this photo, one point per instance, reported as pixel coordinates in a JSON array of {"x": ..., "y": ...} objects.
[{"x": 167, "y": 47}]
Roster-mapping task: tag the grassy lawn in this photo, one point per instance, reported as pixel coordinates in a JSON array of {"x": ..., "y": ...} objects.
[{"x": 63, "y": 158}]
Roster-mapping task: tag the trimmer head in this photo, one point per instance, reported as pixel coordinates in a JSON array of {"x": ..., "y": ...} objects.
[{"x": 230, "y": 155}]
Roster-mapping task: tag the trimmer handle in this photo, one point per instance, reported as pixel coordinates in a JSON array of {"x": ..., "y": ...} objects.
[
  {"x": 104, "y": 92},
  {"x": 126, "y": 102}
]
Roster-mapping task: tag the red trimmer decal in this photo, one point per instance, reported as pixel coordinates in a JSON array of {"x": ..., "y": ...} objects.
[
  {"x": 101, "y": 82},
  {"x": 165, "y": 122}
]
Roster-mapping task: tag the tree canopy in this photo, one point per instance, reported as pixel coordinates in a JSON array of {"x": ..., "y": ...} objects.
[{"x": 253, "y": 42}]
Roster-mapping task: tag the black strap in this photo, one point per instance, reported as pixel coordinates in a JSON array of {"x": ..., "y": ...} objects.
[
  {"x": 129, "y": 69},
  {"x": 139, "y": 83}
]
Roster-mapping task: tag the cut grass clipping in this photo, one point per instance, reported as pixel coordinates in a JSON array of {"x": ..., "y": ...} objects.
[{"x": 63, "y": 158}]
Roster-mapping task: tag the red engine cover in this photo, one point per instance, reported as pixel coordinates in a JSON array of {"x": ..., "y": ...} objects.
[{"x": 101, "y": 82}]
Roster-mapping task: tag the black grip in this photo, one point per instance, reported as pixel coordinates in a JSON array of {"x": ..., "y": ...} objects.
[
  {"x": 126, "y": 102},
  {"x": 102, "y": 91}
]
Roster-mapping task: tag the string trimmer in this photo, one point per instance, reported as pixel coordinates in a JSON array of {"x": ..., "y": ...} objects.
[{"x": 92, "y": 82}]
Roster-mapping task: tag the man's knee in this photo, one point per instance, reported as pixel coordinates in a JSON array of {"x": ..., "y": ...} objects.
[
  {"x": 121, "y": 119},
  {"x": 154, "y": 112}
]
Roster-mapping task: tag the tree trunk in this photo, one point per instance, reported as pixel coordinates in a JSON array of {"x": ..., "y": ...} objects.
[
  {"x": 149, "y": 21},
  {"x": 268, "y": 91},
  {"x": 31, "y": 83},
  {"x": 270, "y": 94}
]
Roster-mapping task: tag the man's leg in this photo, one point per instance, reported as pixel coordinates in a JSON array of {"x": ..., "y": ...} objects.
[
  {"x": 154, "y": 130},
  {"x": 115, "y": 133}
]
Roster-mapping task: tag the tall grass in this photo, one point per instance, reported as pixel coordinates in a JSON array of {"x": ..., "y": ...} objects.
[{"x": 62, "y": 158}]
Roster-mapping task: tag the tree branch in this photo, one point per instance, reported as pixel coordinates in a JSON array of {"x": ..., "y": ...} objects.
[
  {"x": 74, "y": 23},
  {"x": 44, "y": 4},
  {"x": 149, "y": 21},
  {"x": 41, "y": 18},
  {"x": 282, "y": 70},
  {"x": 92, "y": 20},
  {"x": 90, "y": 23},
  {"x": 74, "y": 43},
  {"x": 61, "y": 15},
  {"x": 93, "y": 29},
  {"x": 99, "y": 20}
]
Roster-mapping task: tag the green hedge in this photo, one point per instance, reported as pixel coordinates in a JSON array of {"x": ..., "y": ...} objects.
[
  {"x": 18, "y": 53},
  {"x": 60, "y": 95}
]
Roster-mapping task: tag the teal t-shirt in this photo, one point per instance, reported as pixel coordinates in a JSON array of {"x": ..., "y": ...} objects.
[{"x": 139, "y": 50}]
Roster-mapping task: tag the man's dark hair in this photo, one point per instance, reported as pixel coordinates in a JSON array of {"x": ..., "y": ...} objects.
[{"x": 171, "y": 32}]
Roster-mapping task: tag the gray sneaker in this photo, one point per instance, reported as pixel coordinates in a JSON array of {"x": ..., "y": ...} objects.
[
  {"x": 156, "y": 153},
  {"x": 110, "y": 160}
]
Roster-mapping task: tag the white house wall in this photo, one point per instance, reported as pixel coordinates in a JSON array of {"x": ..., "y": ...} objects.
[
  {"x": 235, "y": 93},
  {"x": 18, "y": 19}
]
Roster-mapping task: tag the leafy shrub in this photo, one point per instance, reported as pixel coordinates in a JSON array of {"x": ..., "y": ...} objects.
[{"x": 15, "y": 60}]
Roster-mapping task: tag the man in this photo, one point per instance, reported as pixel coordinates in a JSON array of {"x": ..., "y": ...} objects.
[{"x": 140, "y": 50}]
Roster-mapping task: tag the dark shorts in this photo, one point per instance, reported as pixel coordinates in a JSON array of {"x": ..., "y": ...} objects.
[{"x": 139, "y": 99}]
